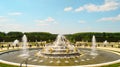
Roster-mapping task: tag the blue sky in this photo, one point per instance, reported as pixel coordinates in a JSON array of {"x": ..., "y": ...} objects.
[{"x": 60, "y": 16}]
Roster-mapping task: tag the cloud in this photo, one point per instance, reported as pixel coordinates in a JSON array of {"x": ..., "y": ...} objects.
[
  {"x": 107, "y": 6},
  {"x": 110, "y": 19},
  {"x": 82, "y": 21},
  {"x": 68, "y": 9},
  {"x": 79, "y": 9},
  {"x": 10, "y": 27},
  {"x": 4, "y": 19},
  {"x": 47, "y": 21},
  {"x": 15, "y": 13},
  {"x": 9, "y": 24}
]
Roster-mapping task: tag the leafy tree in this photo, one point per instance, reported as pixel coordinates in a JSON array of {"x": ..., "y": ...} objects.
[
  {"x": 46, "y": 36},
  {"x": 2, "y": 36}
]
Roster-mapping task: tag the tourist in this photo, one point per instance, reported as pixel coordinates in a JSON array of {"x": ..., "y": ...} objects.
[
  {"x": 8, "y": 46},
  {"x": 17, "y": 45},
  {"x": 13, "y": 46},
  {"x": 30, "y": 45},
  {"x": 104, "y": 45},
  {"x": 111, "y": 45},
  {"x": 2, "y": 47},
  {"x": 37, "y": 45}
]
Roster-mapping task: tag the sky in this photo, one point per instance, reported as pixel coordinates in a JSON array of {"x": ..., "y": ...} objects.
[{"x": 60, "y": 16}]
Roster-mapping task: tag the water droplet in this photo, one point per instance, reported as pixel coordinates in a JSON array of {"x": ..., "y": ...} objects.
[
  {"x": 58, "y": 61},
  {"x": 51, "y": 62},
  {"x": 82, "y": 60},
  {"x": 66, "y": 61},
  {"x": 34, "y": 60},
  {"x": 76, "y": 61},
  {"x": 41, "y": 61},
  {"x": 93, "y": 57},
  {"x": 29, "y": 58},
  {"x": 87, "y": 59}
]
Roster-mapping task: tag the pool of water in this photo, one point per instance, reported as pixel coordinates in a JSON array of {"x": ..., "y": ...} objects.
[{"x": 84, "y": 59}]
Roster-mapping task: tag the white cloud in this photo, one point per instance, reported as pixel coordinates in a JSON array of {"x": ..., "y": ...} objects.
[
  {"x": 15, "y": 13},
  {"x": 4, "y": 19},
  {"x": 68, "y": 9},
  {"x": 49, "y": 19},
  {"x": 13, "y": 26},
  {"x": 10, "y": 27},
  {"x": 91, "y": 7},
  {"x": 107, "y": 6},
  {"x": 8, "y": 24},
  {"x": 45, "y": 21},
  {"x": 82, "y": 21},
  {"x": 110, "y": 19},
  {"x": 79, "y": 9}
]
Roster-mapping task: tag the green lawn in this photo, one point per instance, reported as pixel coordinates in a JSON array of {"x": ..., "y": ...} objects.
[
  {"x": 7, "y": 65},
  {"x": 113, "y": 65}
]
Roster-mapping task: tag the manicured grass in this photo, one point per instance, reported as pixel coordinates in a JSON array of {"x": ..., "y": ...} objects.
[
  {"x": 113, "y": 65},
  {"x": 7, "y": 65}
]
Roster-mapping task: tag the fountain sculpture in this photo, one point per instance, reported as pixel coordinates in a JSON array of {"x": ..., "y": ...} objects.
[{"x": 60, "y": 48}]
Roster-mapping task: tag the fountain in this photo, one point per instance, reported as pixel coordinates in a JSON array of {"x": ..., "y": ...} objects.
[
  {"x": 60, "y": 48},
  {"x": 25, "y": 51},
  {"x": 93, "y": 48},
  {"x": 15, "y": 42},
  {"x": 105, "y": 42}
]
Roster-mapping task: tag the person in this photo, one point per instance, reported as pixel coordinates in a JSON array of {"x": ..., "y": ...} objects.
[
  {"x": 98, "y": 45},
  {"x": 30, "y": 45},
  {"x": 8, "y": 46},
  {"x": 2, "y": 47},
  {"x": 37, "y": 45},
  {"x": 13, "y": 46},
  {"x": 17, "y": 45},
  {"x": 111, "y": 45}
]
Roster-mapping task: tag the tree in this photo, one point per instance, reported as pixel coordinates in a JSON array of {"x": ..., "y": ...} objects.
[
  {"x": 11, "y": 36},
  {"x": 2, "y": 36}
]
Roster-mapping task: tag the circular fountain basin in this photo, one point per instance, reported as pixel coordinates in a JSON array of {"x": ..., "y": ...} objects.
[{"x": 84, "y": 59}]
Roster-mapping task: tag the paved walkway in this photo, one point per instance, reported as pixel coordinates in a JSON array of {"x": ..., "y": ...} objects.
[{"x": 11, "y": 48}]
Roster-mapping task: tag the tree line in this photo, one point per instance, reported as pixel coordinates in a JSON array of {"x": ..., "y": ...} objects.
[
  {"x": 49, "y": 37},
  {"x": 100, "y": 36},
  {"x": 32, "y": 36}
]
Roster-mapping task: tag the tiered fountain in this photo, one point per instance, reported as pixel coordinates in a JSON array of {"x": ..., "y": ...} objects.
[{"x": 60, "y": 48}]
